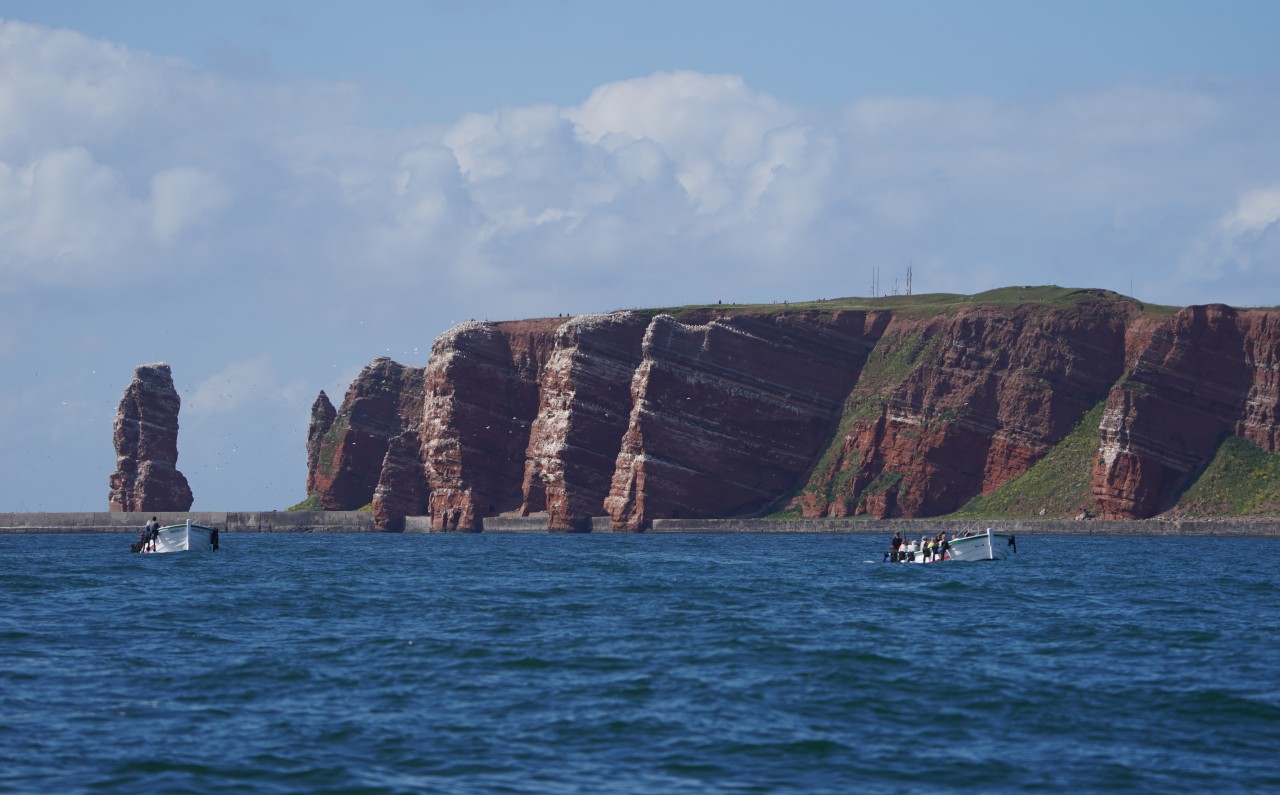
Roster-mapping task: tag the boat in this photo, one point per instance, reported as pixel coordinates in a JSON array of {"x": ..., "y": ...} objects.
[
  {"x": 988, "y": 545},
  {"x": 187, "y": 537}
]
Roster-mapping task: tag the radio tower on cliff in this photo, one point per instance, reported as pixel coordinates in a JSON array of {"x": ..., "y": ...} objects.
[{"x": 908, "y": 278}]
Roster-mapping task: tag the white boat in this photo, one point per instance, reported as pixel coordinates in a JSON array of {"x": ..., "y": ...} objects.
[
  {"x": 988, "y": 545},
  {"x": 982, "y": 546},
  {"x": 186, "y": 537}
]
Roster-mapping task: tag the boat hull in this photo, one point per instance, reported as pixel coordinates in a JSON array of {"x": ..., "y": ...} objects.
[
  {"x": 182, "y": 538},
  {"x": 986, "y": 546}
]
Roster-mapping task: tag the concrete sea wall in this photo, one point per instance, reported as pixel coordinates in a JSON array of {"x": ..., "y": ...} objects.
[
  {"x": 228, "y": 522},
  {"x": 362, "y": 522}
]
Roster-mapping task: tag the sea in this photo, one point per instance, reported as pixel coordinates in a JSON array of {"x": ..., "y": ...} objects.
[{"x": 362, "y": 663}]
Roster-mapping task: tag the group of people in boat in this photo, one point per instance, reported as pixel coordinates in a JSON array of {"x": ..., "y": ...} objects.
[{"x": 925, "y": 548}]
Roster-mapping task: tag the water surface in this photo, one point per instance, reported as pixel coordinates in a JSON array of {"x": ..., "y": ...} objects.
[{"x": 637, "y": 664}]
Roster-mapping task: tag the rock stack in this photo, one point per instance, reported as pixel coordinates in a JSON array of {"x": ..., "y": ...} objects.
[{"x": 146, "y": 440}]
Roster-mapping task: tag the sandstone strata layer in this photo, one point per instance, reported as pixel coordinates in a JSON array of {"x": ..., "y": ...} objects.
[
  {"x": 956, "y": 406},
  {"x": 1206, "y": 373},
  {"x": 482, "y": 397},
  {"x": 583, "y": 412},
  {"x": 146, "y": 441},
  {"x": 904, "y": 410},
  {"x": 728, "y": 415}
]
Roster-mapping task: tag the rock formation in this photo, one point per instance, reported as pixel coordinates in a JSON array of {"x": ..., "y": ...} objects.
[
  {"x": 907, "y": 408},
  {"x": 349, "y": 447},
  {"x": 402, "y": 490},
  {"x": 955, "y": 406},
  {"x": 481, "y": 399},
  {"x": 1206, "y": 373},
  {"x": 582, "y": 416},
  {"x": 146, "y": 442},
  {"x": 726, "y": 417},
  {"x": 322, "y": 416}
]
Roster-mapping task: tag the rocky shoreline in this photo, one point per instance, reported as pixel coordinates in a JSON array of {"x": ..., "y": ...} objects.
[{"x": 364, "y": 522}]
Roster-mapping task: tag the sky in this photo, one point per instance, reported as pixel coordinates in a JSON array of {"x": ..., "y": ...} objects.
[{"x": 269, "y": 195}]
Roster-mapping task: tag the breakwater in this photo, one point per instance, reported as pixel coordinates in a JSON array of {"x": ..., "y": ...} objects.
[
  {"x": 225, "y": 521},
  {"x": 362, "y": 522}
]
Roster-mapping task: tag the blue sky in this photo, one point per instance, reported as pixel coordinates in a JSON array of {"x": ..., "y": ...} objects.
[{"x": 269, "y": 195}]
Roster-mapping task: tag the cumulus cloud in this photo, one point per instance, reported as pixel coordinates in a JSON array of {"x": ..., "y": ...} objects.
[
  {"x": 61, "y": 216},
  {"x": 662, "y": 187}
]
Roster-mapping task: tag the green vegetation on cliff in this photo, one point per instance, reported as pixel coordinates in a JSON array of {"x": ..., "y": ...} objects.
[
  {"x": 925, "y": 305},
  {"x": 311, "y": 503},
  {"x": 1241, "y": 480},
  {"x": 1057, "y": 486}
]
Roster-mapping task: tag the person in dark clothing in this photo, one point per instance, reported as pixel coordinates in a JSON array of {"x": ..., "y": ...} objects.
[{"x": 149, "y": 532}]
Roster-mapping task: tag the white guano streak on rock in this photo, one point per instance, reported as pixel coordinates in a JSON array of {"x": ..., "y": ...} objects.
[{"x": 1111, "y": 431}]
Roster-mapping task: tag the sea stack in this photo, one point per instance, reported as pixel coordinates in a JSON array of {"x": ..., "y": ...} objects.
[{"x": 146, "y": 440}]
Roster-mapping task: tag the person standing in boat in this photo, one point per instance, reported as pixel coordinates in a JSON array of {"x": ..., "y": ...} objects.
[{"x": 149, "y": 532}]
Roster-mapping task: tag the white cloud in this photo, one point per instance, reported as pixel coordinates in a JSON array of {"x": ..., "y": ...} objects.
[
  {"x": 1256, "y": 211},
  {"x": 182, "y": 197},
  {"x": 1241, "y": 250},
  {"x": 656, "y": 188},
  {"x": 62, "y": 217}
]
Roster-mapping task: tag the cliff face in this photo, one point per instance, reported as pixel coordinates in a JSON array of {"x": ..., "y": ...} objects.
[
  {"x": 146, "y": 441},
  {"x": 322, "y": 416},
  {"x": 582, "y": 415},
  {"x": 907, "y": 411},
  {"x": 953, "y": 407},
  {"x": 728, "y": 416},
  {"x": 1206, "y": 373},
  {"x": 481, "y": 399},
  {"x": 402, "y": 486},
  {"x": 382, "y": 402}
]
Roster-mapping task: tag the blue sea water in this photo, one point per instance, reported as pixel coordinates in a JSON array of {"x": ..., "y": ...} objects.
[{"x": 637, "y": 664}]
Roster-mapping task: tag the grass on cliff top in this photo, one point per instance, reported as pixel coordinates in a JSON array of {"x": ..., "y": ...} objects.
[
  {"x": 922, "y": 305},
  {"x": 1241, "y": 480},
  {"x": 1058, "y": 484}
]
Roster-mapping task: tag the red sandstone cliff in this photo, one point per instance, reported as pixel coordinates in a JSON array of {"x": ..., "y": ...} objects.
[
  {"x": 1204, "y": 374},
  {"x": 382, "y": 401},
  {"x": 481, "y": 400},
  {"x": 728, "y": 416},
  {"x": 904, "y": 412},
  {"x": 954, "y": 406},
  {"x": 322, "y": 416},
  {"x": 146, "y": 442},
  {"x": 582, "y": 415}
]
